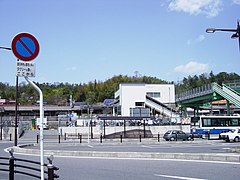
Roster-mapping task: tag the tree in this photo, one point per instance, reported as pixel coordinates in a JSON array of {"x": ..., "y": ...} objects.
[{"x": 98, "y": 91}]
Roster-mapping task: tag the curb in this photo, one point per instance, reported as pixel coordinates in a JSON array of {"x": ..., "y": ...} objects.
[{"x": 141, "y": 155}]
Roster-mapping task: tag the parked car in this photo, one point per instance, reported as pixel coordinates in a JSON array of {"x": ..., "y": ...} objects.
[
  {"x": 173, "y": 135},
  {"x": 231, "y": 135}
]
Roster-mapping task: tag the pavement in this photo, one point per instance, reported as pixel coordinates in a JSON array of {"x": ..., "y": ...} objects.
[{"x": 128, "y": 148}]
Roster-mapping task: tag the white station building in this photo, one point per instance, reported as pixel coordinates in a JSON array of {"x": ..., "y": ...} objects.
[{"x": 138, "y": 99}]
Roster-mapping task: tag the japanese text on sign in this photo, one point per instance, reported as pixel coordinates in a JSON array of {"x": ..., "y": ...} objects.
[{"x": 25, "y": 69}]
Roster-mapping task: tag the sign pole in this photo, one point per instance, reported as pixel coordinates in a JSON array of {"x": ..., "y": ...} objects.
[
  {"x": 16, "y": 113},
  {"x": 41, "y": 125},
  {"x": 26, "y": 48}
]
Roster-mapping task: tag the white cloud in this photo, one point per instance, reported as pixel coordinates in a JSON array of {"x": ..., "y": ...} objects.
[
  {"x": 199, "y": 39},
  {"x": 192, "y": 68},
  {"x": 210, "y": 8},
  {"x": 236, "y": 2}
]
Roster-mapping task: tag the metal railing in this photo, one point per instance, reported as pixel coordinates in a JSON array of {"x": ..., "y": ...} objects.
[
  {"x": 193, "y": 93},
  {"x": 227, "y": 93},
  {"x": 26, "y": 167},
  {"x": 204, "y": 90}
]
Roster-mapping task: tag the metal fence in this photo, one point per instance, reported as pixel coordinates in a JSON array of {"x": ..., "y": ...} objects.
[{"x": 26, "y": 167}]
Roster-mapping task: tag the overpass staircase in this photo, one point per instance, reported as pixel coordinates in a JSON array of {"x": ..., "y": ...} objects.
[
  {"x": 228, "y": 93},
  {"x": 160, "y": 107}
]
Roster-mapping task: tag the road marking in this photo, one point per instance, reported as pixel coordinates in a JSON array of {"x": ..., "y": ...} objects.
[
  {"x": 150, "y": 147},
  {"x": 7, "y": 149},
  {"x": 177, "y": 177}
]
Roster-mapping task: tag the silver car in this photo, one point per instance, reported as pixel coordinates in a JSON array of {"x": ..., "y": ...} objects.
[{"x": 173, "y": 135}]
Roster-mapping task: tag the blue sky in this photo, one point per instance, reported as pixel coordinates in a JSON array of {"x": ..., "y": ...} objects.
[{"x": 84, "y": 40}]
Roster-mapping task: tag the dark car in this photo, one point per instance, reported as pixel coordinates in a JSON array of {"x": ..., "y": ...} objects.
[{"x": 173, "y": 135}]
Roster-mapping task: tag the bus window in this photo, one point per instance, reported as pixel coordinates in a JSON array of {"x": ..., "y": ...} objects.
[
  {"x": 223, "y": 122},
  {"x": 234, "y": 122},
  {"x": 215, "y": 122},
  {"x": 227, "y": 122},
  {"x": 206, "y": 122}
]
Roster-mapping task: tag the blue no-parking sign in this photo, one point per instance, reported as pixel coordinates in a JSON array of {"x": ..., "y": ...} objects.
[{"x": 25, "y": 47}]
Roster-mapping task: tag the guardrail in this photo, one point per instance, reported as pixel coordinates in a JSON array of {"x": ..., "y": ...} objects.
[{"x": 26, "y": 167}]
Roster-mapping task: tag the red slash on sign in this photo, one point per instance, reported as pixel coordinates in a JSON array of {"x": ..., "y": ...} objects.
[{"x": 25, "y": 47}]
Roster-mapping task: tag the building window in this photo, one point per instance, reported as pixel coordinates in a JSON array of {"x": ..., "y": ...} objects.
[
  {"x": 139, "y": 104},
  {"x": 140, "y": 112},
  {"x": 154, "y": 94}
]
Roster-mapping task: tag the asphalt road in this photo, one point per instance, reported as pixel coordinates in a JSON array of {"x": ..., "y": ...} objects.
[
  {"x": 4, "y": 145},
  {"x": 77, "y": 168},
  {"x": 85, "y": 168},
  {"x": 129, "y": 169}
]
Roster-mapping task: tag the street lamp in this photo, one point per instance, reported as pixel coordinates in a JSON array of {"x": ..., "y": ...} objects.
[
  {"x": 234, "y": 36},
  {"x": 6, "y": 48},
  {"x": 1, "y": 110}
]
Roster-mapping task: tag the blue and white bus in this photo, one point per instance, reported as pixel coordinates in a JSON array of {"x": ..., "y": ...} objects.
[{"x": 214, "y": 125}]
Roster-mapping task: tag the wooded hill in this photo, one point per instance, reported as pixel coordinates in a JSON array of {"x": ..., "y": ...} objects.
[{"x": 97, "y": 91}]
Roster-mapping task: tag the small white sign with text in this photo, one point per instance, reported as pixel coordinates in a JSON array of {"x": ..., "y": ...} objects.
[{"x": 25, "y": 69}]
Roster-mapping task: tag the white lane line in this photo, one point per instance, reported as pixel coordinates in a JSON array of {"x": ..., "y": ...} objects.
[
  {"x": 149, "y": 147},
  {"x": 8, "y": 149},
  {"x": 177, "y": 177}
]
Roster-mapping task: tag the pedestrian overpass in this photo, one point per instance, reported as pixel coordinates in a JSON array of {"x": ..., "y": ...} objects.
[{"x": 202, "y": 96}]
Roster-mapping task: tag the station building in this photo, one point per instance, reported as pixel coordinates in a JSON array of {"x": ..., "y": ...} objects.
[{"x": 139, "y": 99}]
